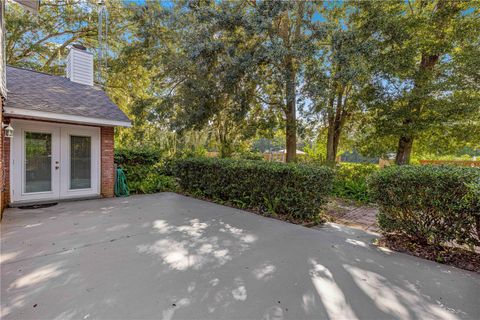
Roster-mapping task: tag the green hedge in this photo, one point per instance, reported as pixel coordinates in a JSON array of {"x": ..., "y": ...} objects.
[
  {"x": 295, "y": 190},
  {"x": 429, "y": 204},
  {"x": 137, "y": 156},
  {"x": 351, "y": 181},
  {"x": 144, "y": 170}
]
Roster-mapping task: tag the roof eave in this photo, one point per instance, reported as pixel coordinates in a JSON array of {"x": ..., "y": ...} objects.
[
  {"x": 31, "y": 5},
  {"x": 58, "y": 117}
]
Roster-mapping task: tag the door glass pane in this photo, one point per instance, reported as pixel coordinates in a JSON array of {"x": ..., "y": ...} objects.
[
  {"x": 80, "y": 162},
  {"x": 38, "y": 162}
]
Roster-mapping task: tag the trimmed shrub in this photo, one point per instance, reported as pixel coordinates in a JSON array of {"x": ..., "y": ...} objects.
[
  {"x": 429, "y": 204},
  {"x": 351, "y": 181},
  {"x": 148, "y": 179},
  {"x": 295, "y": 190},
  {"x": 146, "y": 156},
  {"x": 144, "y": 171}
]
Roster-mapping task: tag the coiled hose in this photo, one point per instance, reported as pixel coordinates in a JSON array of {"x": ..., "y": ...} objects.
[{"x": 121, "y": 187}]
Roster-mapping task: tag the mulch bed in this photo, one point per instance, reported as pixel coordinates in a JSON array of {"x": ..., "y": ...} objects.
[{"x": 457, "y": 257}]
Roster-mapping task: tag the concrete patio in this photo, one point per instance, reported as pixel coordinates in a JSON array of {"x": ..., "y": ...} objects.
[{"x": 166, "y": 256}]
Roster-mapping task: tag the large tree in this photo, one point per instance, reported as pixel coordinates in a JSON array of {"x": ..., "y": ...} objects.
[
  {"x": 198, "y": 79},
  {"x": 234, "y": 57},
  {"x": 337, "y": 74},
  {"x": 285, "y": 33},
  {"x": 421, "y": 81},
  {"x": 283, "y": 27},
  {"x": 231, "y": 65}
]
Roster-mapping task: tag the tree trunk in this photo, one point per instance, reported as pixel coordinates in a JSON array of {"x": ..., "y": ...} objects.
[
  {"x": 336, "y": 139},
  {"x": 330, "y": 120},
  {"x": 333, "y": 140},
  {"x": 404, "y": 150},
  {"x": 290, "y": 112},
  {"x": 290, "y": 84},
  {"x": 332, "y": 146},
  {"x": 331, "y": 152},
  {"x": 423, "y": 77},
  {"x": 291, "y": 136},
  {"x": 336, "y": 121},
  {"x": 405, "y": 142},
  {"x": 477, "y": 223}
]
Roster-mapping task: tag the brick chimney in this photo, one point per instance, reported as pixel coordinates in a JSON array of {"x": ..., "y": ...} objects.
[{"x": 80, "y": 65}]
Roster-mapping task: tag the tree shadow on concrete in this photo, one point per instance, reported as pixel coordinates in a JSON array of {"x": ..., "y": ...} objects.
[{"x": 172, "y": 257}]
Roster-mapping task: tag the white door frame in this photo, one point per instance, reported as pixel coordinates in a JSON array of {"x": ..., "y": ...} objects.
[
  {"x": 17, "y": 161},
  {"x": 94, "y": 133},
  {"x": 60, "y": 152}
]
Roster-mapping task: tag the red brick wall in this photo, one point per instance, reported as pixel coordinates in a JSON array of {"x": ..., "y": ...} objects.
[
  {"x": 1, "y": 160},
  {"x": 107, "y": 165},
  {"x": 6, "y": 171},
  {"x": 5, "y": 167}
]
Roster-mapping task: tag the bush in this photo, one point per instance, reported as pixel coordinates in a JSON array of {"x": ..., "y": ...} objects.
[
  {"x": 293, "y": 190},
  {"x": 139, "y": 156},
  {"x": 429, "y": 204},
  {"x": 248, "y": 155},
  {"x": 144, "y": 170},
  {"x": 148, "y": 179},
  {"x": 351, "y": 181}
]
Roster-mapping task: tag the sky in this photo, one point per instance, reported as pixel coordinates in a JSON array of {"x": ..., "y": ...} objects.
[{"x": 166, "y": 3}]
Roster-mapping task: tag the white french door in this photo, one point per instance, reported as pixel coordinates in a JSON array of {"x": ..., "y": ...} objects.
[
  {"x": 53, "y": 161},
  {"x": 35, "y": 162},
  {"x": 80, "y": 161}
]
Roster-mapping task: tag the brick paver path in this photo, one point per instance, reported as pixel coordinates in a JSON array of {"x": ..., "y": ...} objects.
[{"x": 351, "y": 214}]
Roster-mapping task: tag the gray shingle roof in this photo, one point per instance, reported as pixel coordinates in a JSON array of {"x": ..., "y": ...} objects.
[{"x": 38, "y": 91}]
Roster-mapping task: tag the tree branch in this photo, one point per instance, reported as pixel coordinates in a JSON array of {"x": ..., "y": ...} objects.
[{"x": 52, "y": 35}]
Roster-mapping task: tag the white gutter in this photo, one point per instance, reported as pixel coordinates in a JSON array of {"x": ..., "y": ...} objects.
[{"x": 44, "y": 115}]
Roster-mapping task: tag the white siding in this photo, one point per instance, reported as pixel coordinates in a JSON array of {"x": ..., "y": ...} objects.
[{"x": 80, "y": 66}]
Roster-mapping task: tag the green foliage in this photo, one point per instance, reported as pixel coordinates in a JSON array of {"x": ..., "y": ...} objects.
[
  {"x": 351, "y": 181},
  {"x": 199, "y": 54},
  {"x": 41, "y": 41},
  {"x": 233, "y": 71},
  {"x": 191, "y": 152},
  {"x": 276, "y": 141},
  {"x": 336, "y": 78},
  {"x": 144, "y": 170},
  {"x": 294, "y": 190},
  {"x": 430, "y": 156},
  {"x": 248, "y": 155},
  {"x": 423, "y": 86},
  {"x": 429, "y": 204},
  {"x": 315, "y": 154},
  {"x": 137, "y": 156},
  {"x": 148, "y": 179}
]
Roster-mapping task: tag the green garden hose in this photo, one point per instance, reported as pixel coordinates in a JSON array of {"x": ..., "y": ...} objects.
[{"x": 121, "y": 187}]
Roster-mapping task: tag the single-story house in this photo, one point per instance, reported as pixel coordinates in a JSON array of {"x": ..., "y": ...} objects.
[{"x": 63, "y": 134}]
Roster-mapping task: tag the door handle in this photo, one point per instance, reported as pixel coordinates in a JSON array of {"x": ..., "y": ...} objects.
[{"x": 57, "y": 165}]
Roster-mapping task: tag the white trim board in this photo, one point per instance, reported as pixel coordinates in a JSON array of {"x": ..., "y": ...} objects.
[{"x": 44, "y": 115}]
